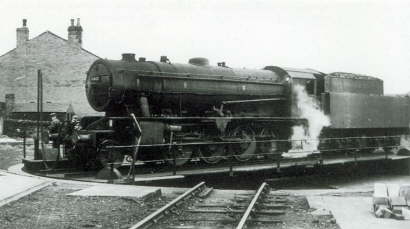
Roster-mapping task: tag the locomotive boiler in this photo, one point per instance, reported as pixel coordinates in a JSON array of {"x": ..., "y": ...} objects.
[{"x": 160, "y": 88}]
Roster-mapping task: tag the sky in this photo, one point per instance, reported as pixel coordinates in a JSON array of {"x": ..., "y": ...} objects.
[{"x": 369, "y": 37}]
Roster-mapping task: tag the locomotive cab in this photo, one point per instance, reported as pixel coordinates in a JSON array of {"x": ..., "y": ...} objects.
[
  {"x": 311, "y": 80},
  {"x": 307, "y": 80}
]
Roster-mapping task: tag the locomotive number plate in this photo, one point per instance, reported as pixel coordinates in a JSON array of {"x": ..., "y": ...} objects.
[{"x": 95, "y": 79}]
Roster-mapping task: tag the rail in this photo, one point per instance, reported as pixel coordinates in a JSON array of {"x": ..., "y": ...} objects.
[
  {"x": 207, "y": 77},
  {"x": 267, "y": 154},
  {"x": 251, "y": 208},
  {"x": 253, "y": 100},
  {"x": 190, "y": 118},
  {"x": 157, "y": 215},
  {"x": 258, "y": 141},
  {"x": 262, "y": 141}
]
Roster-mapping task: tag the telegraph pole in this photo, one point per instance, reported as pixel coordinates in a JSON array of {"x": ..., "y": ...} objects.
[{"x": 37, "y": 154}]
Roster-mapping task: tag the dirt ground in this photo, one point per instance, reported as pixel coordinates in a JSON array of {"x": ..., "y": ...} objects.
[
  {"x": 12, "y": 154},
  {"x": 51, "y": 208},
  {"x": 299, "y": 216}
]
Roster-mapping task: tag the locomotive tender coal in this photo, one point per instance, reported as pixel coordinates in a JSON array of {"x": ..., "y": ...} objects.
[{"x": 167, "y": 112}]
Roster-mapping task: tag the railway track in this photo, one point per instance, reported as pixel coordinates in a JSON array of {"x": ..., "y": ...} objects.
[
  {"x": 197, "y": 209},
  {"x": 154, "y": 218}
]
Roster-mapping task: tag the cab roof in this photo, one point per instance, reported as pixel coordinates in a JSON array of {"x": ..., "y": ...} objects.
[{"x": 302, "y": 73}]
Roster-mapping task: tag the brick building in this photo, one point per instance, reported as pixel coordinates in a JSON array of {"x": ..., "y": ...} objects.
[{"x": 63, "y": 62}]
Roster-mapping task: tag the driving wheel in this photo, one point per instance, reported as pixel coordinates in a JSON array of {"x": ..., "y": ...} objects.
[
  {"x": 246, "y": 148},
  {"x": 268, "y": 147},
  {"x": 212, "y": 153},
  {"x": 182, "y": 154},
  {"x": 107, "y": 156}
]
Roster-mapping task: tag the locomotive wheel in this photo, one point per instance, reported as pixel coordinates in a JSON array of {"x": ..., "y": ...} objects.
[
  {"x": 378, "y": 146},
  {"x": 362, "y": 143},
  {"x": 389, "y": 145},
  {"x": 106, "y": 156},
  {"x": 401, "y": 150},
  {"x": 212, "y": 154},
  {"x": 183, "y": 155},
  {"x": 269, "y": 149},
  {"x": 245, "y": 150}
]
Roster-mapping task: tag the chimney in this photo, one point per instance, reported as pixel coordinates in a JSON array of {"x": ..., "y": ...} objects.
[
  {"x": 129, "y": 57},
  {"x": 22, "y": 34},
  {"x": 75, "y": 33}
]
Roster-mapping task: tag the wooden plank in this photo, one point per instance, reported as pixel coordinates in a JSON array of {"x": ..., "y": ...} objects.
[
  {"x": 205, "y": 193},
  {"x": 261, "y": 206},
  {"x": 229, "y": 220},
  {"x": 225, "y": 211}
]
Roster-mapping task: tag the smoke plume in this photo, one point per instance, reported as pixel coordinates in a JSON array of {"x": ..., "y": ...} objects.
[{"x": 305, "y": 140}]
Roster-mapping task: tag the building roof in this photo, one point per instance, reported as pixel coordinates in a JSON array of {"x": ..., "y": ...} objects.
[
  {"x": 47, "y": 107},
  {"x": 55, "y": 35}
]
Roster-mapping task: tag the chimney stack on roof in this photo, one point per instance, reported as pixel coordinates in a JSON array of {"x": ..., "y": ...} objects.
[
  {"x": 22, "y": 34},
  {"x": 75, "y": 33}
]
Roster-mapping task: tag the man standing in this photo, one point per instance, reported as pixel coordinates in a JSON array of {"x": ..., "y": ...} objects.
[
  {"x": 70, "y": 132},
  {"x": 75, "y": 123},
  {"x": 54, "y": 130}
]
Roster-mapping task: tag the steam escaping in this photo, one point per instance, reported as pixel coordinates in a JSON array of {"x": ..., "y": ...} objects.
[
  {"x": 405, "y": 142},
  {"x": 305, "y": 140}
]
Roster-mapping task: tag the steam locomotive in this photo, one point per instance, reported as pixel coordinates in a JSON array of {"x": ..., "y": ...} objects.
[{"x": 171, "y": 113}]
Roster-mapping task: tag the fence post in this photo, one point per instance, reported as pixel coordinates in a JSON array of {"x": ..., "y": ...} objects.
[
  {"x": 355, "y": 157},
  {"x": 24, "y": 143},
  {"x": 37, "y": 154},
  {"x": 174, "y": 171},
  {"x": 170, "y": 150},
  {"x": 231, "y": 161}
]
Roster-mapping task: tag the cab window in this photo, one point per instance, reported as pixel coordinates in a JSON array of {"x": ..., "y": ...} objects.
[{"x": 309, "y": 84}]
